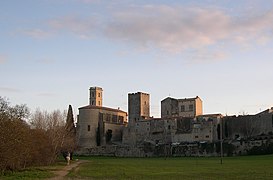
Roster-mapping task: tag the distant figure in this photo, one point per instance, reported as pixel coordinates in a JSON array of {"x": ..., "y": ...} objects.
[{"x": 68, "y": 158}]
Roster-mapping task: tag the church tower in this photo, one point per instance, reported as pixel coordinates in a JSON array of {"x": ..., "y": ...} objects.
[{"x": 95, "y": 96}]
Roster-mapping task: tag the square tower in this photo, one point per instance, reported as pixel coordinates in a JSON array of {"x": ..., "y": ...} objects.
[
  {"x": 190, "y": 107},
  {"x": 138, "y": 106},
  {"x": 95, "y": 97},
  {"x": 187, "y": 107}
]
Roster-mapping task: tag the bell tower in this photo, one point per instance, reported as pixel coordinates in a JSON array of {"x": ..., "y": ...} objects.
[{"x": 95, "y": 97}]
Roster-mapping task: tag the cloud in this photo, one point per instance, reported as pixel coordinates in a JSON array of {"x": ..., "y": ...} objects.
[
  {"x": 169, "y": 28},
  {"x": 3, "y": 59},
  {"x": 172, "y": 29},
  {"x": 37, "y": 33},
  {"x": 205, "y": 55},
  {"x": 8, "y": 89},
  {"x": 82, "y": 27},
  {"x": 175, "y": 29}
]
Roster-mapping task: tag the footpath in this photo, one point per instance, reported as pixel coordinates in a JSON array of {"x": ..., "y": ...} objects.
[{"x": 60, "y": 174}]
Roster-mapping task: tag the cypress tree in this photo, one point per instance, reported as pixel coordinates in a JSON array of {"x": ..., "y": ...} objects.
[{"x": 70, "y": 127}]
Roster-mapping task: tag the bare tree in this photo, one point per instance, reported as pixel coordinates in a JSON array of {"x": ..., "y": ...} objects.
[
  {"x": 15, "y": 136},
  {"x": 53, "y": 124}
]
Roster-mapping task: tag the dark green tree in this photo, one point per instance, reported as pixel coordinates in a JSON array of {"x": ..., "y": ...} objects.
[
  {"x": 70, "y": 126},
  {"x": 70, "y": 133}
]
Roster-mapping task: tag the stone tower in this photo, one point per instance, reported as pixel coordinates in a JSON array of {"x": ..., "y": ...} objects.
[
  {"x": 138, "y": 106},
  {"x": 95, "y": 97}
]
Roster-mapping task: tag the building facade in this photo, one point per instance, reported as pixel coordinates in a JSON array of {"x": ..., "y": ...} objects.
[
  {"x": 182, "y": 122},
  {"x": 98, "y": 125},
  {"x": 138, "y": 106},
  {"x": 95, "y": 96},
  {"x": 187, "y": 107}
]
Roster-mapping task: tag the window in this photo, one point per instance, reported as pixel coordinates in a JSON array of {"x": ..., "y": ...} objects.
[
  {"x": 99, "y": 103},
  {"x": 92, "y": 103},
  {"x": 88, "y": 128},
  {"x": 93, "y": 94},
  {"x": 169, "y": 127},
  {"x": 167, "y": 112},
  {"x": 98, "y": 94},
  {"x": 114, "y": 118},
  {"x": 182, "y": 108},
  {"x": 120, "y": 119},
  {"x": 196, "y": 137},
  {"x": 207, "y": 136},
  {"x": 108, "y": 117},
  {"x": 191, "y": 107}
]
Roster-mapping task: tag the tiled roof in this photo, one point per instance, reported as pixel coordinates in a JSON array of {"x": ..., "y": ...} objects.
[{"x": 102, "y": 108}]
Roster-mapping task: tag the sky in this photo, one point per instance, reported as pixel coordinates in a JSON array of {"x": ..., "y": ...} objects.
[{"x": 53, "y": 51}]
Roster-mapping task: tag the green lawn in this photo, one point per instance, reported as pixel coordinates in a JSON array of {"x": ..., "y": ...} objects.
[
  {"x": 42, "y": 172},
  {"x": 245, "y": 167}
]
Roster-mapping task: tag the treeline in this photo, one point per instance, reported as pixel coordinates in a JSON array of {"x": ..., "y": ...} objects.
[{"x": 37, "y": 141}]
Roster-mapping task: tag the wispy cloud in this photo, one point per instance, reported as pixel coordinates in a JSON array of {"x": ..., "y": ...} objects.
[
  {"x": 9, "y": 89},
  {"x": 82, "y": 27},
  {"x": 171, "y": 29},
  {"x": 37, "y": 33},
  {"x": 168, "y": 28},
  {"x": 204, "y": 56},
  {"x": 175, "y": 29}
]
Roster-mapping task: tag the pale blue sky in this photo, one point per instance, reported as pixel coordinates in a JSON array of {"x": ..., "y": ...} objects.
[{"x": 52, "y": 51}]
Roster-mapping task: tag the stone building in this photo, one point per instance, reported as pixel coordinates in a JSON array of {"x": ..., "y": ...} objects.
[
  {"x": 138, "y": 106},
  {"x": 187, "y": 107},
  {"x": 177, "y": 124},
  {"x": 95, "y": 96},
  {"x": 248, "y": 126},
  {"x": 98, "y": 125},
  {"x": 182, "y": 125}
]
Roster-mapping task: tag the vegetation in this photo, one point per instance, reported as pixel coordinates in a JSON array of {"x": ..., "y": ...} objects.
[
  {"x": 245, "y": 167},
  {"x": 31, "y": 173},
  {"x": 33, "y": 143}
]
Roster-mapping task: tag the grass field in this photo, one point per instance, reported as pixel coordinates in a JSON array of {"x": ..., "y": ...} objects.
[
  {"x": 43, "y": 172},
  {"x": 245, "y": 167}
]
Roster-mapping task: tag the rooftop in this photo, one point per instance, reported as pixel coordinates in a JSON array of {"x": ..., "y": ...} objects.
[{"x": 102, "y": 108}]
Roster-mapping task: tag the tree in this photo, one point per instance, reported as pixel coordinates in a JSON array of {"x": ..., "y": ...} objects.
[
  {"x": 70, "y": 133},
  {"x": 53, "y": 125},
  {"x": 15, "y": 136},
  {"x": 70, "y": 127}
]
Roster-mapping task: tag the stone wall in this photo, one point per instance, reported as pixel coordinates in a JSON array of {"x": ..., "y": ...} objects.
[
  {"x": 247, "y": 126},
  {"x": 258, "y": 145}
]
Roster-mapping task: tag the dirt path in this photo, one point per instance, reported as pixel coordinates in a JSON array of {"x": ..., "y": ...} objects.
[{"x": 60, "y": 174}]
